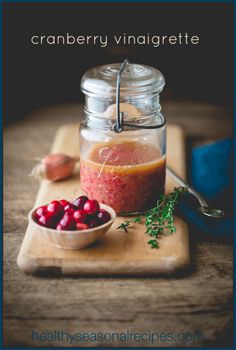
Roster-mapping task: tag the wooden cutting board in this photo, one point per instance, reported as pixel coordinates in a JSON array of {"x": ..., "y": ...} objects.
[{"x": 117, "y": 252}]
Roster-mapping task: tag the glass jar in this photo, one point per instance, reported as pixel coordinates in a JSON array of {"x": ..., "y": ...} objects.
[{"x": 123, "y": 167}]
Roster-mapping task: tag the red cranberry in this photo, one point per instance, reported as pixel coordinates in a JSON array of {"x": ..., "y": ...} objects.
[
  {"x": 91, "y": 207},
  {"x": 81, "y": 226},
  {"x": 55, "y": 208},
  {"x": 59, "y": 227},
  {"x": 69, "y": 206},
  {"x": 70, "y": 211},
  {"x": 80, "y": 201},
  {"x": 64, "y": 202},
  {"x": 47, "y": 220},
  {"x": 67, "y": 222},
  {"x": 80, "y": 216},
  {"x": 104, "y": 216},
  {"x": 40, "y": 211}
]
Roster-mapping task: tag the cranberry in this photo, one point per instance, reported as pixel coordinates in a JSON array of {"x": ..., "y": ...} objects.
[
  {"x": 70, "y": 211},
  {"x": 67, "y": 222},
  {"x": 91, "y": 207},
  {"x": 80, "y": 216},
  {"x": 59, "y": 227},
  {"x": 81, "y": 226},
  {"x": 69, "y": 206},
  {"x": 55, "y": 208},
  {"x": 80, "y": 201},
  {"x": 40, "y": 211},
  {"x": 94, "y": 223},
  {"x": 104, "y": 216},
  {"x": 64, "y": 202},
  {"x": 47, "y": 220}
]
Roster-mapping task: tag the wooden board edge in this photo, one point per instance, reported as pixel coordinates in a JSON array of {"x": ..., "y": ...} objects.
[
  {"x": 31, "y": 265},
  {"x": 26, "y": 262}
]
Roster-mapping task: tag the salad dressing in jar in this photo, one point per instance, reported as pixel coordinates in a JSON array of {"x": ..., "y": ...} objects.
[{"x": 123, "y": 137}]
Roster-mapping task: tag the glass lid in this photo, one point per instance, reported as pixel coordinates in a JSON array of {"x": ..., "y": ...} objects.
[{"x": 136, "y": 79}]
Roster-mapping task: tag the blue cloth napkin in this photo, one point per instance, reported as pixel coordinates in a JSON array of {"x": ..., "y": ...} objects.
[{"x": 212, "y": 176}]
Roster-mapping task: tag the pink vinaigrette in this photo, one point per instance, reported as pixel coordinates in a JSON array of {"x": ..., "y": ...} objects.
[
  {"x": 128, "y": 176},
  {"x": 123, "y": 137}
]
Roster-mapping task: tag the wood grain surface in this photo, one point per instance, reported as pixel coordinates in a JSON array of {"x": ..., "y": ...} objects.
[
  {"x": 116, "y": 252},
  {"x": 198, "y": 300}
]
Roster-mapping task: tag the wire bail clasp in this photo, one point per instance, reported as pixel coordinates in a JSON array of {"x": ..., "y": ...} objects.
[{"x": 118, "y": 126}]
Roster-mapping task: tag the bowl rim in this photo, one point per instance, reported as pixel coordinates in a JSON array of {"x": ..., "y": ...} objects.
[{"x": 69, "y": 232}]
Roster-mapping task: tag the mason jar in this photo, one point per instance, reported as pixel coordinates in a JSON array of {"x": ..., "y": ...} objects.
[{"x": 123, "y": 137}]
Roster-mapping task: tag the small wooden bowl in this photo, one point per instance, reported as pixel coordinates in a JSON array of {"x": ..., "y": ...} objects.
[{"x": 76, "y": 239}]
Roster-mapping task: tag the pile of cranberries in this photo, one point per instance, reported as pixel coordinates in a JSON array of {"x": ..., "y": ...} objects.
[{"x": 82, "y": 214}]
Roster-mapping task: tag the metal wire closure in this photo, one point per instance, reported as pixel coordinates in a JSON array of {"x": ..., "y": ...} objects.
[{"x": 119, "y": 125}]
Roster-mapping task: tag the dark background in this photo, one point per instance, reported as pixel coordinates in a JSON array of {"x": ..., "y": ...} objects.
[{"x": 36, "y": 76}]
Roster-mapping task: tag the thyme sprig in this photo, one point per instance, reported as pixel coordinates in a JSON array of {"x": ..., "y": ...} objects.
[{"x": 160, "y": 219}]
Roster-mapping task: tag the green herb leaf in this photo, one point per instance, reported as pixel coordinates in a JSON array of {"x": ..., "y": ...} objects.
[
  {"x": 153, "y": 243},
  {"x": 160, "y": 219}
]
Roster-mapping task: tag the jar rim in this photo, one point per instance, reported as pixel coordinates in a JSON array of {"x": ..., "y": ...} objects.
[{"x": 151, "y": 120}]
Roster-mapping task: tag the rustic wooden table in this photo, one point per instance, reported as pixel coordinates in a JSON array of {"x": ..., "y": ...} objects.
[{"x": 198, "y": 301}]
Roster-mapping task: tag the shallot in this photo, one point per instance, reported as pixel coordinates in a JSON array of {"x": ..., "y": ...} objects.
[{"x": 55, "y": 167}]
